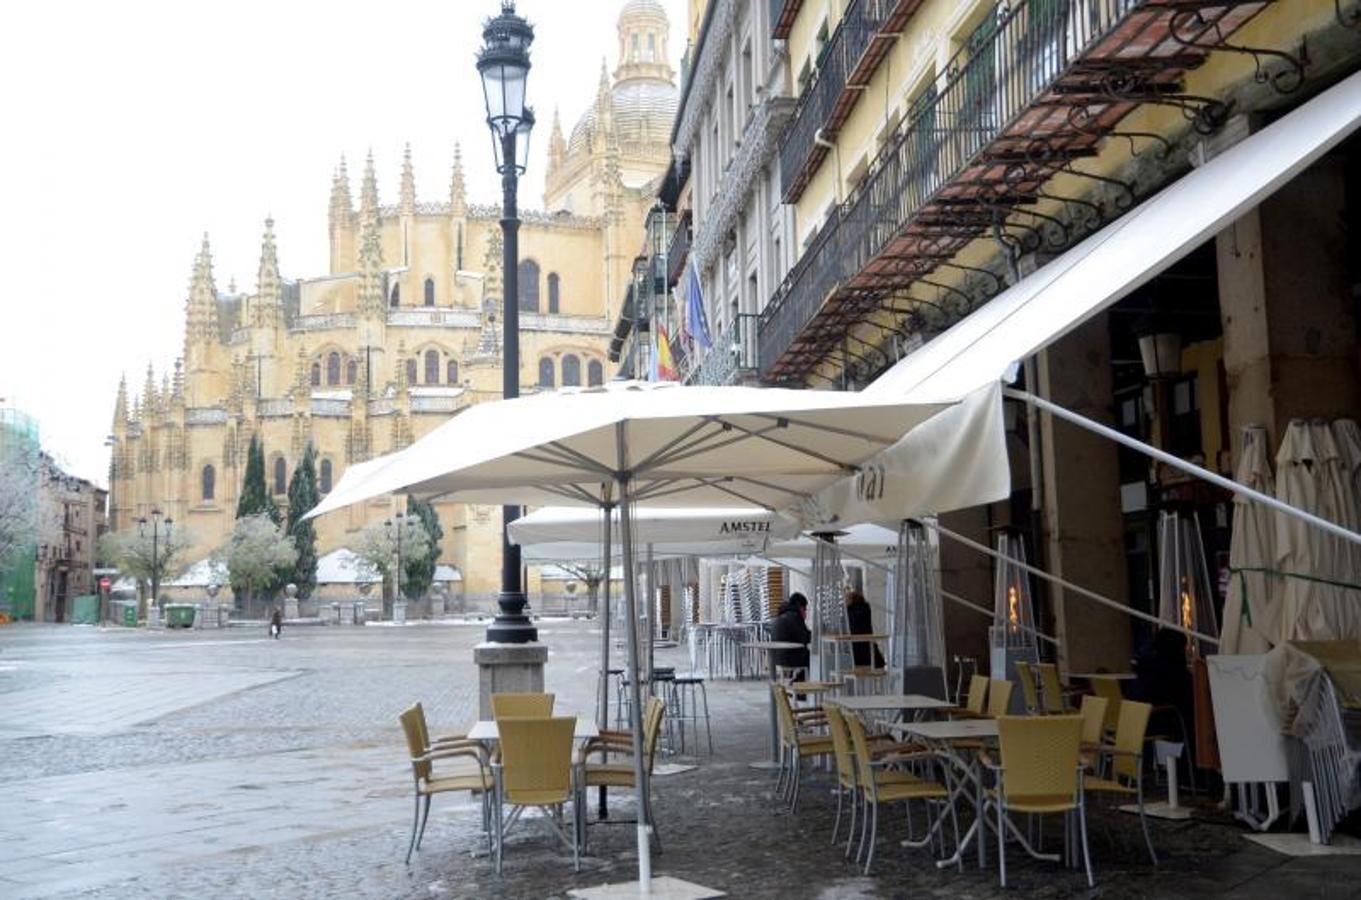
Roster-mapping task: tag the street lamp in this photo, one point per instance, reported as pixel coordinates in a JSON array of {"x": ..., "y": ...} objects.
[
  {"x": 503, "y": 64},
  {"x": 397, "y": 526},
  {"x": 157, "y": 520}
]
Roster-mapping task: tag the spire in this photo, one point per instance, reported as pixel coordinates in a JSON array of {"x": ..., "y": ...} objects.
[
  {"x": 368, "y": 193},
  {"x": 604, "y": 105},
  {"x": 408, "y": 191},
  {"x": 302, "y": 382},
  {"x": 342, "y": 207},
  {"x": 200, "y": 320},
  {"x": 149, "y": 401},
  {"x": 268, "y": 286},
  {"x": 120, "y": 405},
  {"x": 458, "y": 188},
  {"x": 177, "y": 384},
  {"x": 557, "y": 146},
  {"x": 371, "y": 299}
]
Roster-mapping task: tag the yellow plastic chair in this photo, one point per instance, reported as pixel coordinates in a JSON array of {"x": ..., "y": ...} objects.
[
  {"x": 521, "y": 706},
  {"x": 1109, "y": 688},
  {"x": 975, "y": 702},
  {"x": 536, "y": 770},
  {"x": 1054, "y": 693},
  {"x": 1093, "y": 715},
  {"x": 1039, "y": 774},
  {"x": 878, "y": 784},
  {"x": 619, "y": 771},
  {"x": 999, "y": 697},
  {"x": 796, "y": 742},
  {"x": 1028, "y": 688},
  {"x": 476, "y": 779},
  {"x": 1126, "y": 762}
]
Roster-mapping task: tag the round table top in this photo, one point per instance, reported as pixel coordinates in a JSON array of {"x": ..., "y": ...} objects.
[{"x": 854, "y": 638}]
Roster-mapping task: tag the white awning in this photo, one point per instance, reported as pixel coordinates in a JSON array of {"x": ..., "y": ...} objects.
[
  {"x": 1125, "y": 254},
  {"x": 653, "y": 525}
]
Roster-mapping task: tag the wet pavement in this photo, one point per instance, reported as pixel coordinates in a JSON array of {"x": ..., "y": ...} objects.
[{"x": 224, "y": 764}]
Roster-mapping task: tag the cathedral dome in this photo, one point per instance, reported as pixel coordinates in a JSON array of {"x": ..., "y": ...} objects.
[
  {"x": 643, "y": 111},
  {"x": 643, "y": 96}
]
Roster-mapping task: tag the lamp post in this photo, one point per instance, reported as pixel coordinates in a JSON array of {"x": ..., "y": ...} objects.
[
  {"x": 157, "y": 520},
  {"x": 397, "y": 526},
  {"x": 503, "y": 64}
]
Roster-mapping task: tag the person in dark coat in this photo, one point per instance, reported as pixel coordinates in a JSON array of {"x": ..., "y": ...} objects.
[
  {"x": 276, "y": 623},
  {"x": 789, "y": 625},
  {"x": 860, "y": 620}
]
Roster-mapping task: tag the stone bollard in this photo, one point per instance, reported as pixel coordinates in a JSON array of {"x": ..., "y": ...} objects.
[
  {"x": 291, "y": 601},
  {"x": 153, "y": 615},
  {"x": 399, "y": 612},
  {"x": 508, "y": 668}
]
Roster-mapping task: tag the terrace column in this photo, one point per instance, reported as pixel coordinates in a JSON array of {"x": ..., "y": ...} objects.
[
  {"x": 1290, "y": 347},
  {"x": 1083, "y": 525}
]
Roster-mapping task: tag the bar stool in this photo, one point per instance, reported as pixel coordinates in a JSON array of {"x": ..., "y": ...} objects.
[{"x": 690, "y": 692}]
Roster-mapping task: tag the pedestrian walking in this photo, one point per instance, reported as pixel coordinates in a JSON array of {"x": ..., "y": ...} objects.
[{"x": 276, "y": 623}]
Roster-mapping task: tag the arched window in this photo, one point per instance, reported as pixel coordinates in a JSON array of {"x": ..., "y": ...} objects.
[
  {"x": 280, "y": 475},
  {"x": 651, "y": 47},
  {"x": 316, "y": 374},
  {"x": 333, "y": 368},
  {"x": 209, "y": 482},
  {"x": 595, "y": 373},
  {"x": 395, "y": 295},
  {"x": 324, "y": 478},
  {"x": 429, "y": 292},
  {"x": 554, "y": 292},
  {"x": 351, "y": 371},
  {"x": 432, "y": 367},
  {"x": 529, "y": 286},
  {"x": 410, "y": 371},
  {"x": 546, "y": 373},
  {"x": 634, "y": 48},
  {"x": 571, "y": 371},
  {"x": 452, "y": 371}
]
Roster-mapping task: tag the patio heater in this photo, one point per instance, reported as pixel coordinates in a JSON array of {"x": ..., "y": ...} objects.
[
  {"x": 1012, "y": 635},
  {"x": 1185, "y": 597},
  {"x": 915, "y": 619},
  {"x": 828, "y": 602}
]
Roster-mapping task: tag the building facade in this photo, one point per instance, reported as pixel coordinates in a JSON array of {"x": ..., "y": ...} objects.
[
  {"x": 403, "y": 331},
  {"x": 72, "y": 516}
]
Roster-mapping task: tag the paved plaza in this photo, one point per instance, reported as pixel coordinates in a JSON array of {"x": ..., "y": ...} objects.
[{"x": 170, "y": 764}]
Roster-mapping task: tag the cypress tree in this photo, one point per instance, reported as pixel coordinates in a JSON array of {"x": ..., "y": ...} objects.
[
  {"x": 255, "y": 496},
  {"x": 419, "y": 573},
  {"x": 302, "y": 497}
]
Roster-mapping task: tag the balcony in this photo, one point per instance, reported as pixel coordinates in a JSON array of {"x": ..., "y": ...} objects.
[
  {"x": 856, "y": 48},
  {"x": 782, "y": 16},
  {"x": 732, "y": 358},
  {"x": 1031, "y": 93},
  {"x": 679, "y": 251}
]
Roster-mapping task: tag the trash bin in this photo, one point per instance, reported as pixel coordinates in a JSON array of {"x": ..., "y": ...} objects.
[
  {"x": 127, "y": 615},
  {"x": 179, "y": 615},
  {"x": 85, "y": 610}
]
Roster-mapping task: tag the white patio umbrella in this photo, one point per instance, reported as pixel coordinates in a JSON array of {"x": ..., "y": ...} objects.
[
  {"x": 1252, "y": 609},
  {"x": 1348, "y": 436},
  {"x": 629, "y": 443},
  {"x": 865, "y": 541},
  {"x": 656, "y": 526}
]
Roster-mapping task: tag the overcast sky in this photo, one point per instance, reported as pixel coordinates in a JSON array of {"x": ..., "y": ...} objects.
[{"x": 131, "y": 128}]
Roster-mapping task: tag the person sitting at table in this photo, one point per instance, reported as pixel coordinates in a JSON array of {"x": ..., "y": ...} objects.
[
  {"x": 789, "y": 626},
  {"x": 860, "y": 620}
]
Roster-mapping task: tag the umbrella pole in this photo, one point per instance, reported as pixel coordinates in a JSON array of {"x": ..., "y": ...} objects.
[
  {"x": 603, "y": 709},
  {"x": 636, "y": 701}
]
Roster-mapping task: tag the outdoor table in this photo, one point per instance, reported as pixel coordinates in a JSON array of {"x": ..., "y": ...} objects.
[
  {"x": 898, "y": 702},
  {"x": 1108, "y": 676},
  {"x": 486, "y": 730},
  {"x": 941, "y": 736},
  {"x": 770, "y": 647}
]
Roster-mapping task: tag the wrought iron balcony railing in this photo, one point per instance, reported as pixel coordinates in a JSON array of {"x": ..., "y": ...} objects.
[
  {"x": 679, "y": 251},
  {"x": 732, "y": 356},
  {"x": 852, "y": 55},
  {"x": 1031, "y": 91}
]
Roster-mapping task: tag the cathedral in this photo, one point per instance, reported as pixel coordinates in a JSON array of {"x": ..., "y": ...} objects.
[{"x": 404, "y": 329}]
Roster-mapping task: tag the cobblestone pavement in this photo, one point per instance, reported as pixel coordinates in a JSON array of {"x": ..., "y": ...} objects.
[{"x": 224, "y": 764}]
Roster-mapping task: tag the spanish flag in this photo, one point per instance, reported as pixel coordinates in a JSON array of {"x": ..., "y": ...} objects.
[{"x": 666, "y": 366}]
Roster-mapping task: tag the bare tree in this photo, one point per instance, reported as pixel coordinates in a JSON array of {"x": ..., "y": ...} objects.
[
  {"x": 592, "y": 576},
  {"x": 139, "y": 557},
  {"x": 377, "y": 550},
  {"x": 255, "y": 552}
]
